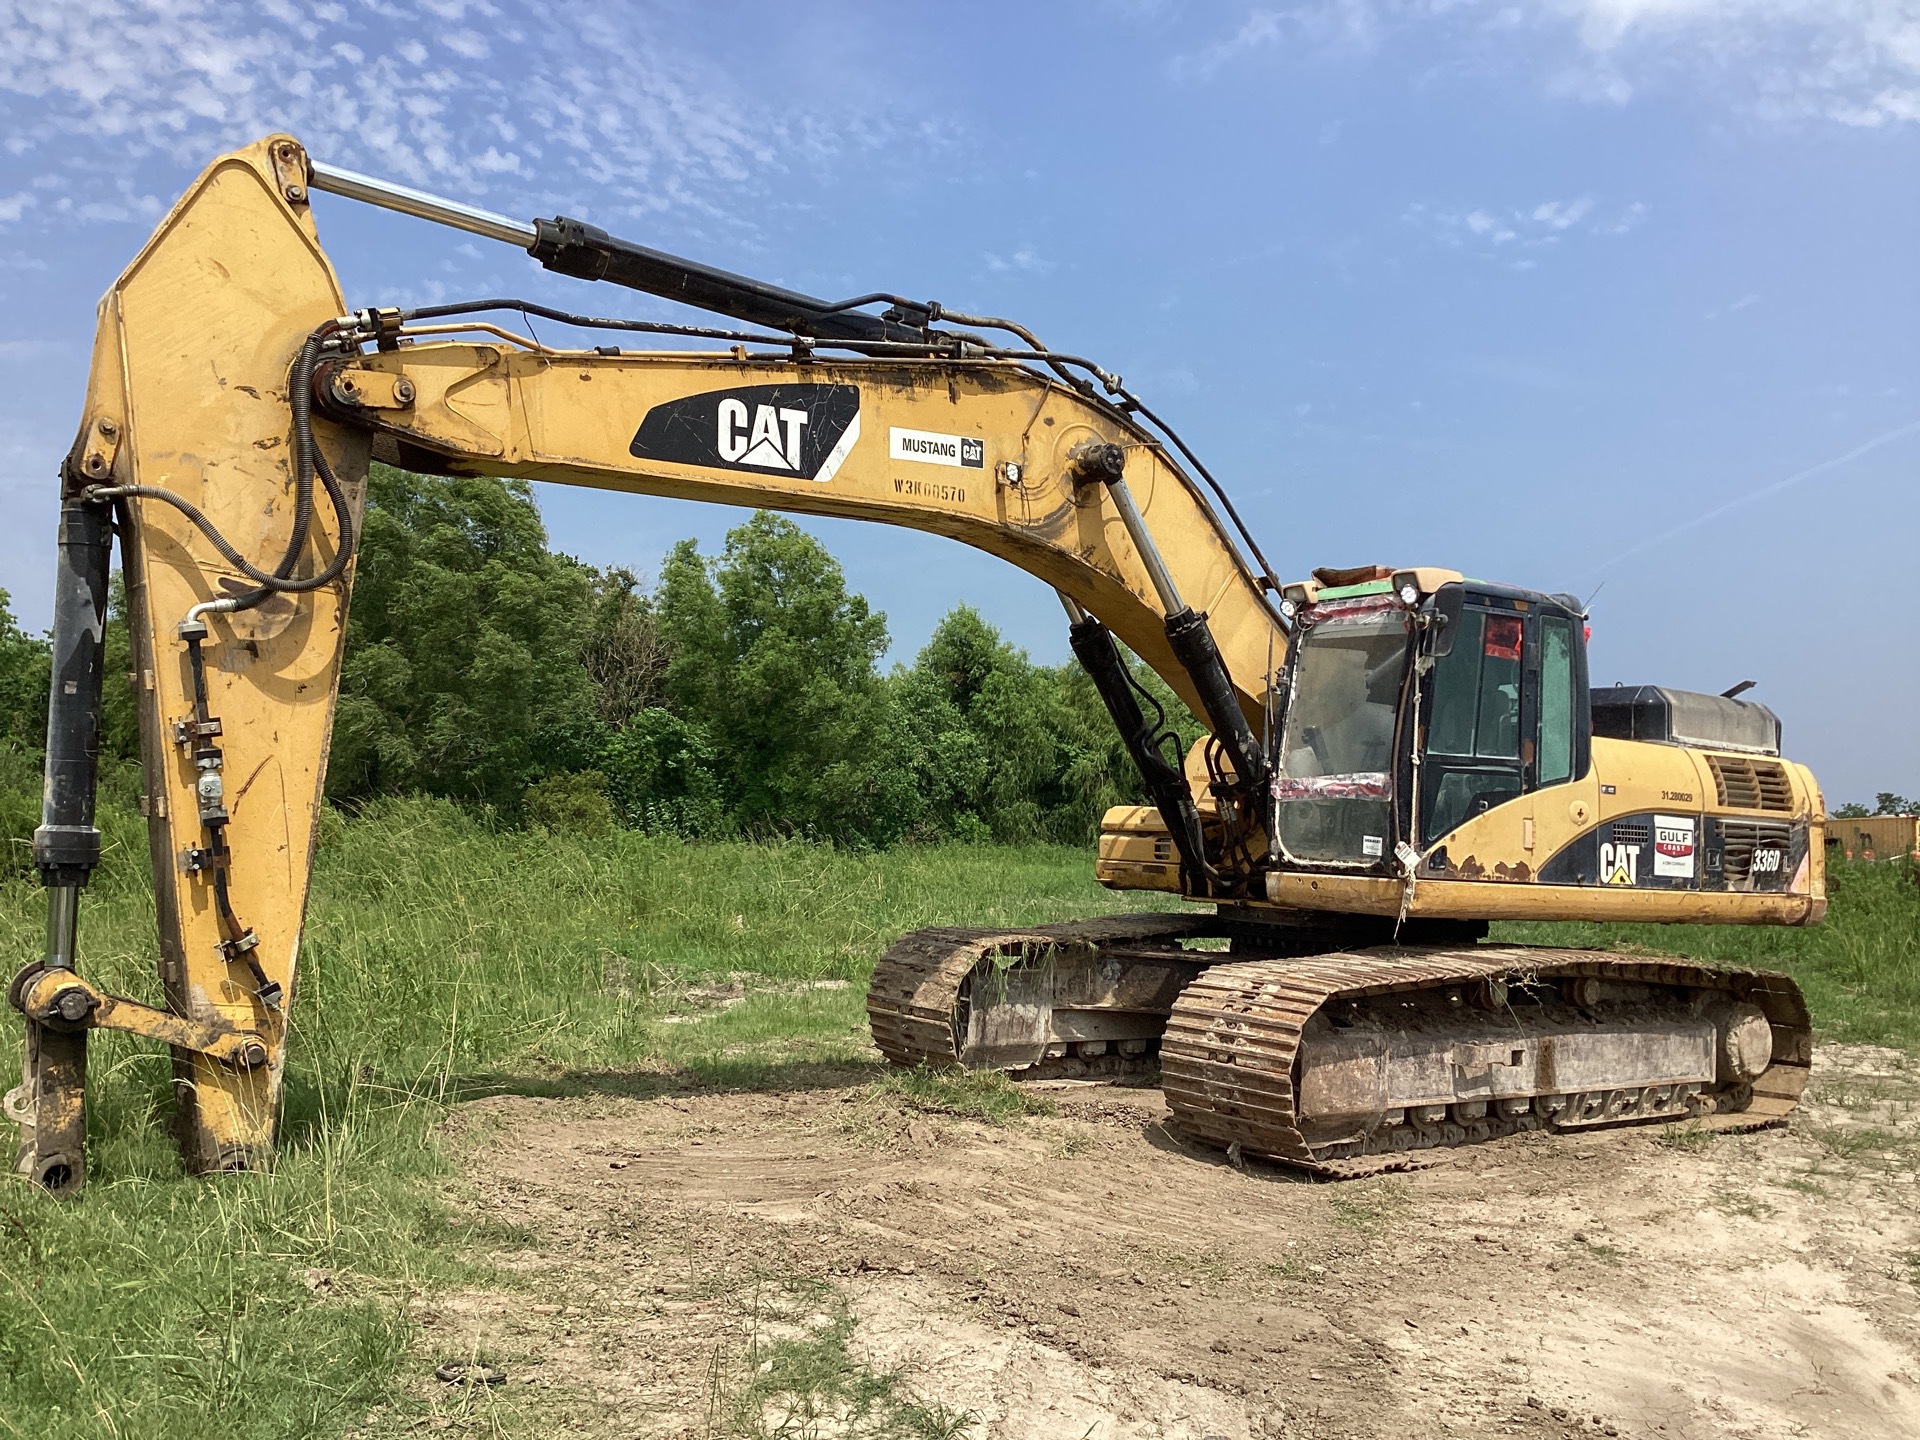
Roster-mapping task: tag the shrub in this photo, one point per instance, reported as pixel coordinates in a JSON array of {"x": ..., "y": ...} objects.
[{"x": 570, "y": 804}]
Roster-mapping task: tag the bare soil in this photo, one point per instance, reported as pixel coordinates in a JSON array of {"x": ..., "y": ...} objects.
[{"x": 1088, "y": 1275}]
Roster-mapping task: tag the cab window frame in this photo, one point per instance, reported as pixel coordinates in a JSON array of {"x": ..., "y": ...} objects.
[{"x": 1482, "y": 782}]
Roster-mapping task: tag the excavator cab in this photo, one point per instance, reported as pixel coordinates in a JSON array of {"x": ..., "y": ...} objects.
[{"x": 1416, "y": 701}]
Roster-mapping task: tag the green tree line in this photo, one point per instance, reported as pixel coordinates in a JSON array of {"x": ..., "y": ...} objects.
[{"x": 742, "y": 694}]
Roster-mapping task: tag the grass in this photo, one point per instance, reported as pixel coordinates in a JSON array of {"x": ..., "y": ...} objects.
[
  {"x": 1690, "y": 1137},
  {"x": 445, "y": 960},
  {"x": 969, "y": 1095},
  {"x": 801, "y": 1381}
]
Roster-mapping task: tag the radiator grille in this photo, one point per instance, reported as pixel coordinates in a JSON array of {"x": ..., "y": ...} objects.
[
  {"x": 1751, "y": 784},
  {"x": 1740, "y": 838},
  {"x": 1627, "y": 834}
]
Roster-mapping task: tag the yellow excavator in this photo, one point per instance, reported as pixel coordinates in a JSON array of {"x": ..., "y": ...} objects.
[{"x": 1394, "y": 757}]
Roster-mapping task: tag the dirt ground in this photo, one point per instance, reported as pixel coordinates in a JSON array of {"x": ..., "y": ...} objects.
[{"x": 1086, "y": 1275}]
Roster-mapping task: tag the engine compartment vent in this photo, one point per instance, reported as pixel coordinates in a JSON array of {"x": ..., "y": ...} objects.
[
  {"x": 1740, "y": 838},
  {"x": 1745, "y": 784}
]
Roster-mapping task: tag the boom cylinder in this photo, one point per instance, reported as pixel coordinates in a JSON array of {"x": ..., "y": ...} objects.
[
  {"x": 1098, "y": 653},
  {"x": 1188, "y": 633},
  {"x": 1193, "y": 645},
  {"x": 66, "y": 848}
]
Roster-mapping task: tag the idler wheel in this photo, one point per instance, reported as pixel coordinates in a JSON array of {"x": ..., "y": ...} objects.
[{"x": 1746, "y": 1042}]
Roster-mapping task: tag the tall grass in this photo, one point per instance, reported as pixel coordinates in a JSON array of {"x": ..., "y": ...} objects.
[
  {"x": 443, "y": 959},
  {"x": 446, "y": 959}
]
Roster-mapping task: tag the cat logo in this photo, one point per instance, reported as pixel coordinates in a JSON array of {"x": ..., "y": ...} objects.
[
  {"x": 773, "y": 444},
  {"x": 792, "y": 430},
  {"x": 1619, "y": 864}
]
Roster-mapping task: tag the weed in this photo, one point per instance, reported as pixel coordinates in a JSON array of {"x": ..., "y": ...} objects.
[
  {"x": 1742, "y": 1203},
  {"x": 806, "y": 1383},
  {"x": 1073, "y": 1142},
  {"x": 177, "y": 1306},
  {"x": 1366, "y": 1210},
  {"x": 154, "y": 1304},
  {"x": 1601, "y": 1250},
  {"x": 984, "y": 1095},
  {"x": 1690, "y": 1137},
  {"x": 1853, "y": 1142}
]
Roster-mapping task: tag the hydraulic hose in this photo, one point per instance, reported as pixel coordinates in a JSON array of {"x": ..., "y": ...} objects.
[{"x": 309, "y": 462}]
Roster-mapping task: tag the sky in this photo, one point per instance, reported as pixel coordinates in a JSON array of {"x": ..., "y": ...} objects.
[{"x": 1614, "y": 297}]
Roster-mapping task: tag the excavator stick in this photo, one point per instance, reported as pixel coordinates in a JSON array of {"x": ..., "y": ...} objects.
[{"x": 235, "y": 708}]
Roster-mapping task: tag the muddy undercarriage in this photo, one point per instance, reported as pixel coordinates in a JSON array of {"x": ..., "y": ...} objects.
[{"x": 1323, "y": 1048}]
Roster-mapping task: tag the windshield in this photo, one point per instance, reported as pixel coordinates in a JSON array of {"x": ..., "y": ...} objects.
[{"x": 1336, "y": 749}]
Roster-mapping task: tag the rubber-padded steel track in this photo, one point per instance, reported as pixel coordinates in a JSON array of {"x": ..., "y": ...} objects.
[{"x": 1228, "y": 1058}]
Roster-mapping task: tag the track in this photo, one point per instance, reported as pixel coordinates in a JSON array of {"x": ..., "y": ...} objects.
[
  {"x": 1229, "y": 1072},
  {"x": 1114, "y": 997},
  {"x": 920, "y": 1001}
]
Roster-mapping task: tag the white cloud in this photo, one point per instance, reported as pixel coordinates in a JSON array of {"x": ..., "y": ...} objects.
[
  {"x": 1560, "y": 214},
  {"x": 1853, "y": 62},
  {"x": 469, "y": 43},
  {"x": 1479, "y": 222},
  {"x": 1346, "y": 24},
  {"x": 607, "y": 112},
  {"x": 1628, "y": 219},
  {"x": 1525, "y": 227},
  {"x": 1025, "y": 259}
]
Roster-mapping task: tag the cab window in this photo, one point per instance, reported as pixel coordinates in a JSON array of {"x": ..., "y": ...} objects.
[
  {"x": 1555, "y": 751},
  {"x": 1476, "y": 708},
  {"x": 1473, "y": 760}
]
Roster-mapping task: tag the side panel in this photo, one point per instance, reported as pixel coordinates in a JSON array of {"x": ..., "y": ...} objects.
[
  {"x": 196, "y": 340},
  {"x": 1641, "y": 837}
]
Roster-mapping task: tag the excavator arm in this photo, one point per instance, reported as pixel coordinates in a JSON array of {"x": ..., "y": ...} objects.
[{"x": 233, "y": 406}]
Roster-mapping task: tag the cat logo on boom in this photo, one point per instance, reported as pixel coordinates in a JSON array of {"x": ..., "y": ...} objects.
[{"x": 794, "y": 430}]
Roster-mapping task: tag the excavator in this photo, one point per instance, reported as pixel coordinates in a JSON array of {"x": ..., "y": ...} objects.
[{"x": 1393, "y": 758}]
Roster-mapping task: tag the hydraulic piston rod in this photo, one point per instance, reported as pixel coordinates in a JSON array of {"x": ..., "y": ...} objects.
[
  {"x": 50, "y": 1105},
  {"x": 1187, "y": 630},
  {"x": 418, "y": 203},
  {"x": 586, "y": 252}
]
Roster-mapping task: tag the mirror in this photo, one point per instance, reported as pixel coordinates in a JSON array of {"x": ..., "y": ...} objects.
[{"x": 1449, "y": 601}]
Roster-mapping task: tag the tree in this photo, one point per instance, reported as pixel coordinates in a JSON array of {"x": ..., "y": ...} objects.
[
  {"x": 463, "y": 672},
  {"x": 25, "y": 664},
  {"x": 658, "y": 770},
  {"x": 1884, "y": 803},
  {"x": 991, "y": 727},
  {"x": 1014, "y": 751},
  {"x": 774, "y": 660},
  {"x": 624, "y": 651}
]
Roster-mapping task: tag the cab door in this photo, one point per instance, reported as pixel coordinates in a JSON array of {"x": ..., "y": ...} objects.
[{"x": 1501, "y": 706}]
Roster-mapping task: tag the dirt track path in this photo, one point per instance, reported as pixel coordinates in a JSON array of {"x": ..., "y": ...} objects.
[{"x": 1085, "y": 1275}]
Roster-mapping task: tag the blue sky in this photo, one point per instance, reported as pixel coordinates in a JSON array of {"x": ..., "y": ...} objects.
[{"x": 1590, "y": 295}]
